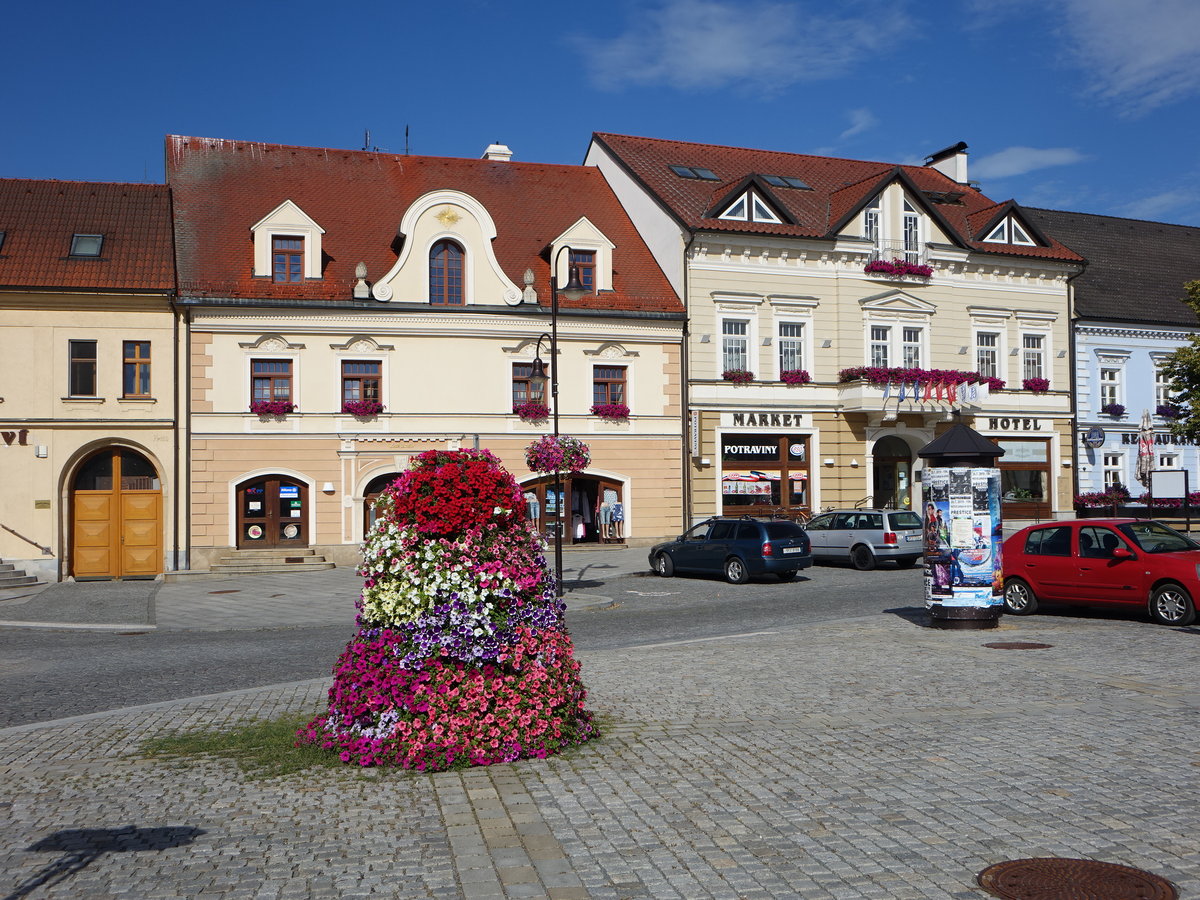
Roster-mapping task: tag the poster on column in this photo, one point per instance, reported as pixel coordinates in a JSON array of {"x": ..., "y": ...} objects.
[{"x": 962, "y": 537}]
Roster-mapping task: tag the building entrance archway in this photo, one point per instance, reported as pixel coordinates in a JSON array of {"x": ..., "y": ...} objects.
[
  {"x": 116, "y": 517},
  {"x": 892, "y": 473},
  {"x": 372, "y": 492}
]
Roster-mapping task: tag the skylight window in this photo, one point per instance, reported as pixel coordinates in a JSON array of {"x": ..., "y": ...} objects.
[
  {"x": 786, "y": 181},
  {"x": 86, "y": 244},
  {"x": 694, "y": 172},
  {"x": 2, "y": 241}
]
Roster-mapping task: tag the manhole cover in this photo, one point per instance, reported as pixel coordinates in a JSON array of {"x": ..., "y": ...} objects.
[
  {"x": 1017, "y": 645},
  {"x": 1072, "y": 879}
]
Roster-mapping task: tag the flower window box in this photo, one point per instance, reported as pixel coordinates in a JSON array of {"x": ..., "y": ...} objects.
[
  {"x": 738, "y": 376},
  {"x": 795, "y": 376},
  {"x": 362, "y": 409},
  {"x": 277, "y": 408},
  {"x": 611, "y": 412},
  {"x": 532, "y": 411}
]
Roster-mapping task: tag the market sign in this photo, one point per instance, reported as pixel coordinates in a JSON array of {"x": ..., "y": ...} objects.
[{"x": 20, "y": 438}]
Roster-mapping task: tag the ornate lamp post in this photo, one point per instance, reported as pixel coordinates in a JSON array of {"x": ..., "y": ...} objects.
[{"x": 572, "y": 290}]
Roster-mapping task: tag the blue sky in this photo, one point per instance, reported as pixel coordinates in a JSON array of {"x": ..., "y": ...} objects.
[{"x": 1088, "y": 105}]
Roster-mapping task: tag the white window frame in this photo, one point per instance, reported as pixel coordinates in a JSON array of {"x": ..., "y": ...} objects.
[
  {"x": 1112, "y": 464},
  {"x": 1163, "y": 395},
  {"x": 798, "y": 343},
  {"x": 910, "y": 231},
  {"x": 910, "y": 348},
  {"x": 1042, "y": 354},
  {"x": 747, "y": 338},
  {"x": 1110, "y": 385},
  {"x": 1168, "y": 461},
  {"x": 883, "y": 341},
  {"x": 996, "y": 350},
  {"x": 896, "y": 342},
  {"x": 872, "y": 216}
]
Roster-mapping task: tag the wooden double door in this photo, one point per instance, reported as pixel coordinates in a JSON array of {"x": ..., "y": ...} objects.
[
  {"x": 116, "y": 517},
  {"x": 272, "y": 513}
]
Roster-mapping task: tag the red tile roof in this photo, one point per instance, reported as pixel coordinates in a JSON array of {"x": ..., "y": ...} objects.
[
  {"x": 39, "y": 218},
  {"x": 221, "y": 188},
  {"x": 839, "y": 188}
]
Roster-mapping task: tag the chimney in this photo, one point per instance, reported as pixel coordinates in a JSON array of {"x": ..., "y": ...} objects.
[
  {"x": 951, "y": 162},
  {"x": 498, "y": 152}
]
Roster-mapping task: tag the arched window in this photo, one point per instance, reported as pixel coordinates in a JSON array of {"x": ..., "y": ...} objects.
[{"x": 446, "y": 273}]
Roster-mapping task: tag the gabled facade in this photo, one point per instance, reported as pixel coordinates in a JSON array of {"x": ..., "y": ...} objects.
[
  {"x": 851, "y": 268},
  {"x": 331, "y": 283},
  {"x": 1128, "y": 318},
  {"x": 89, "y": 463}
]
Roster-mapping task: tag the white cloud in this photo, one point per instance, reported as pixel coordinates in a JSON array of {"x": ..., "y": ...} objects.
[
  {"x": 860, "y": 121},
  {"x": 1019, "y": 160},
  {"x": 760, "y": 44},
  {"x": 1159, "y": 206},
  {"x": 1140, "y": 55}
]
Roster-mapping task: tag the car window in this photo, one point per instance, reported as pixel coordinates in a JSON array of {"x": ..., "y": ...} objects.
[
  {"x": 699, "y": 533},
  {"x": 781, "y": 531},
  {"x": 1098, "y": 543},
  {"x": 873, "y": 521},
  {"x": 1154, "y": 537},
  {"x": 747, "y": 532},
  {"x": 905, "y": 521},
  {"x": 721, "y": 531},
  {"x": 1049, "y": 541},
  {"x": 845, "y": 520},
  {"x": 820, "y": 523}
]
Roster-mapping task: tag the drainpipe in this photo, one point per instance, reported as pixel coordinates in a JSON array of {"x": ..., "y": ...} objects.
[
  {"x": 1074, "y": 383},
  {"x": 685, "y": 398}
]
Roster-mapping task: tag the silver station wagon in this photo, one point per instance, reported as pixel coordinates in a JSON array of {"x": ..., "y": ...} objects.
[{"x": 867, "y": 537}]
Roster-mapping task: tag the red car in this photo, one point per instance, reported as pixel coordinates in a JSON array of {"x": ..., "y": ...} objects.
[{"x": 1130, "y": 563}]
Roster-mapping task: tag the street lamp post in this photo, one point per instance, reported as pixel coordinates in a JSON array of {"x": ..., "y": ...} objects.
[{"x": 572, "y": 290}]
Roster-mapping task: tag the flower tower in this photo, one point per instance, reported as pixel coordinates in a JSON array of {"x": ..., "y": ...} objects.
[{"x": 461, "y": 655}]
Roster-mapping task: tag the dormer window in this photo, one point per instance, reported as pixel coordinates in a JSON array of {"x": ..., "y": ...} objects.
[
  {"x": 446, "y": 274},
  {"x": 86, "y": 245},
  {"x": 750, "y": 208},
  {"x": 584, "y": 262},
  {"x": 287, "y": 259},
  {"x": 1009, "y": 231}
]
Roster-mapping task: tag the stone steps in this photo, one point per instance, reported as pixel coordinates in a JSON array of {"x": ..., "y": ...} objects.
[
  {"x": 11, "y": 577},
  {"x": 270, "y": 562}
]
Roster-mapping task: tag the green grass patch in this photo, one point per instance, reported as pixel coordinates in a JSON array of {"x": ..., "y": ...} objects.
[{"x": 264, "y": 748}]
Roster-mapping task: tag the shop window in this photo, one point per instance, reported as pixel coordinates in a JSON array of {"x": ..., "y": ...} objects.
[
  {"x": 764, "y": 474},
  {"x": 136, "y": 369},
  {"x": 1025, "y": 475},
  {"x": 82, "y": 375}
]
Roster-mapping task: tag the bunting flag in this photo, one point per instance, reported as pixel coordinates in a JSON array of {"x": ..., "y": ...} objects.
[
  {"x": 887, "y": 390},
  {"x": 938, "y": 390},
  {"x": 903, "y": 388},
  {"x": 916, "y": 390},
  {"x": 929, "y": 390}
]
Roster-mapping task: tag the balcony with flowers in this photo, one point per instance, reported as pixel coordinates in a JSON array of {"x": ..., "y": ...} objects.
[
  {"x": 869, "y": 389},
  {"x": 898, "y": 261}
]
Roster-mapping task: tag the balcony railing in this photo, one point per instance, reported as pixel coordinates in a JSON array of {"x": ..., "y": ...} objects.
[{"x": 890, "y": 250}]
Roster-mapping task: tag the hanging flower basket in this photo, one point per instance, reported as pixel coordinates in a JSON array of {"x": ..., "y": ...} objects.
[
  {"x": 363, "y": 409},
  {"x": 278, "y": 408},
  {"x": 1036, "y": 385},
  {"x": 738, "y": 376},
  {"x": 557, "y": 454},
  {"x": 795, "y": 376},
  {"x": 611, "y": 412},
  {"x": 532, "y": 411},
  {"x": 898, "y": 268},
  {"x": 1116, "y": 410}
]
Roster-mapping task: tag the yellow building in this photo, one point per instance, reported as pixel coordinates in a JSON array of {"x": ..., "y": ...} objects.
[
  {"x": 386, "y": 305},
  {"x": 88, "y": 337},
  {"x": 833, "y": 304}
]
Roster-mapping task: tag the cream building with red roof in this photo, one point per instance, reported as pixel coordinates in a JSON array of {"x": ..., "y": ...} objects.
[
  {"x": 312, "y": 277},
  {"x": 790, "y": 263},
  {"x": 89, "y": 457}
]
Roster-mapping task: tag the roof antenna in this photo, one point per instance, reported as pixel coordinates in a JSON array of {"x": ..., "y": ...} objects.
[
  {"x": 366, "y": 138},
  {"x": 406, "y": 140}
]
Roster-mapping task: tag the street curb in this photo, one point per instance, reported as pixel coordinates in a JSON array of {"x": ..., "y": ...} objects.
[{"x": 69, "y": 626}]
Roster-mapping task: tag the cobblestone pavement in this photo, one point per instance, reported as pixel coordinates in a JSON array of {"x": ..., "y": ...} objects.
[{"x": 861, "y": 758}]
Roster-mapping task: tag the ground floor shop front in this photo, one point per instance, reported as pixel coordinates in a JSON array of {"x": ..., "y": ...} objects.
[
  {"x": 318, "y": 492},
  {"x": 88, "y": 501},
  {"x": 792, "y": 464}
]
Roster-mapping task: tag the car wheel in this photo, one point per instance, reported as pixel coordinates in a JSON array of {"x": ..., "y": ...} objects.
[
  {"x": 664, "y": 565},
  {"x": 1019, "y": 599},
  {"x": 735, "y": 571},
  {"x": 1171, "y": 604},
  {"x": 862, "y": 558},
  {"x": 908, "y": 563},
  {"x": 788, "y": 576}
]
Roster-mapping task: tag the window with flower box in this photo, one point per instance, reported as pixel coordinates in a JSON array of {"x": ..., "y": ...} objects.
[
  {"x": 791, "y": 346},
  {"x": 735, "y": 345},
  {"x": 987, "y": 354},
  {"x": 881, "y": 340},
  {"x": 82, "y": 373},
  {"x": 362, "y": 380},
  {"x": 270, "y": 379},
  {"x": 1110, "y": 386},
  {"x": 524, "y": 388},
  {"x": 1162, "y": 387},
  {"x": 1033, "y": 356},
  {"x": 608, "y": 385},
  {"x": 911, "y": 347},
  {"x": 135, "y": 375}
]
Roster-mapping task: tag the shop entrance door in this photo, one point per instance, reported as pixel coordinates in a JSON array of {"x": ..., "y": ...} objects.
[
  {"x": 893, "y": 470},
  {"x": 272, "y": 513},
  {"x": 116, "y": 517}
]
